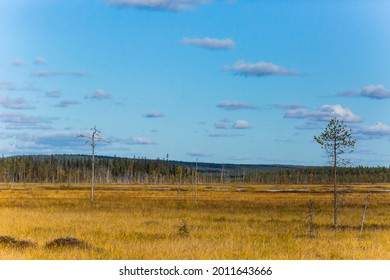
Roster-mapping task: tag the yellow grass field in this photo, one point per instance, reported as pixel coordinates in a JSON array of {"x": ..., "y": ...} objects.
[{"x": 227, "y": 222}]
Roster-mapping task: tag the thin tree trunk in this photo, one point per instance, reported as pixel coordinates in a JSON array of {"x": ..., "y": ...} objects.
[
  {"x": 335, "y": 185},
  {"x": 364, "y": 214},
  {"x": 93, "y": 166},
  {"x": 196, "y": 184},
  {"x": 178, "y": 189},
  {"x": 311, "y": 206}
]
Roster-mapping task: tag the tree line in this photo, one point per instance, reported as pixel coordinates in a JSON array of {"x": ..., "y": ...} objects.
[{"x": 71, "y": 169}]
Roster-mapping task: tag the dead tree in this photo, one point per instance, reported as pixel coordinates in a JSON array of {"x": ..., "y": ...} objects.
[{"x": 95, "y": 137}]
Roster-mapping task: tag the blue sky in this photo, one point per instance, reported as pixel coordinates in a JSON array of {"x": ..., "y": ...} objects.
[{"x": 219, "y": 80}]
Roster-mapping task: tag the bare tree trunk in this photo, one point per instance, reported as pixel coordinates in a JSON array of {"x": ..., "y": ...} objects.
[
  {"x": 95, "y": 136},
  {"x": 364, "y": 213},
  {"x": 311, "y": 206},
  {"x": 178, "y": 189},
  {"x": 93, "y": 166},
  {"x": 196, "y": 184}
]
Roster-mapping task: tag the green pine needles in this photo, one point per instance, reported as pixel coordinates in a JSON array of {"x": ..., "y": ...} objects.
[{"x": 336, "y": 140}]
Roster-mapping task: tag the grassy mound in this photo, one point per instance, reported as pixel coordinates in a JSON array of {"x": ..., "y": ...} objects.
[
  {"x": 14, "y": 243},
  {"x": 67, "y": 242}
]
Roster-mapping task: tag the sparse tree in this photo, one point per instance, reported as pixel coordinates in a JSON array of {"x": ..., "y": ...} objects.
[
  {"x": 95, "y": 136},
  {"x": 336, "y": 140}
]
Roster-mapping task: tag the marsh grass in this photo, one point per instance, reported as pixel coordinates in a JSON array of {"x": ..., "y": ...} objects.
[{"x": 135, "y": 222}]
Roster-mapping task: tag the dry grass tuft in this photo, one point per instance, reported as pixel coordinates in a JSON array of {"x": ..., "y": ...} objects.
[
  {"x": 183, "y": 230},
  {"x": 67, "y": 242},
  {"x": 14, "y": 243}
]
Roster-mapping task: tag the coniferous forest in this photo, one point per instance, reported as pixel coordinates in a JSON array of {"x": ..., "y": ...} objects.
[{"x": 71, "y": 169}]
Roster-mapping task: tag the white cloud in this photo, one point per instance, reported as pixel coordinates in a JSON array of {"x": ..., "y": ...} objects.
[
  {"x": 45, "y": 142},
  {"x": 292, "y": 106},
  {"x": 324, "y": 113},
  {"x": 62, "y": 140},
  {"x": 99, "y": 94},
  {"x": 17, "y": 103},
  {"x": 260, "y": 69},
  {"x": 376, "y": 92},
  {"x": 42, "y": 73},
  {"x": 8, "y": 86},
  {"x": 5, "y": 85},
  {"x": 141, "y": 141},
  {"x": 53, "y": 94},
  {"x": 241, "y": 124},
  {"x": 374, "y": 131},
  {"x": 154, "y": 114},
  {"x": 227, "y": 124},
  {"x": 40, "y": 60},
  {"x": 15, "y": 120},
  {"x": 230, "y": 105},
  {"x": 209, "y": 43},
  {"x": 379, "y": 128},
  {"x": 218, "y": 134},
  {"x": 67, "y": 103},
  {"x": 223, "y": 124},
  {"x": 373, "y": 92},
  {"x": 17, "y": 63},
  {"x": 161, "y": 5}
]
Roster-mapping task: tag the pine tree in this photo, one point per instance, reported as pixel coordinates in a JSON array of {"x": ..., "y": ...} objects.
[{"x": 336, "y": 140}]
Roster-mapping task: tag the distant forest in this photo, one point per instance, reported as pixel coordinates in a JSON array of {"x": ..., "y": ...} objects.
[{"x": 70, "y": 169}]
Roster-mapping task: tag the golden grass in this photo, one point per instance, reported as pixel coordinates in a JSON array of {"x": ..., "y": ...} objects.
[{"x": 139, "y": 222}]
